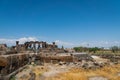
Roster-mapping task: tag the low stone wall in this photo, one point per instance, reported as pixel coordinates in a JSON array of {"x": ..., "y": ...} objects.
[
  {"x": 10, "y": 63},
  {"x": 49, "y": 59}
]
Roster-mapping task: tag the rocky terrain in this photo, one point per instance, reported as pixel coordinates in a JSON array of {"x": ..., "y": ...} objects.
[{"x": 90, "y": 69}]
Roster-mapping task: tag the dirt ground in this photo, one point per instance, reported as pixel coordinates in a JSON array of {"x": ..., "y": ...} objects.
[
  {"x": 69, "y": 72},
  {"x": 42, "y": 72}
]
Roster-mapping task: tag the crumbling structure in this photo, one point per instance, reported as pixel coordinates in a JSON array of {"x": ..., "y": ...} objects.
[
  {"x": 37, "y": 47},
  {"x": 11, "y": 59},
  {"x": 40, "y": 52},
  {"x": 3, "y": 48}
]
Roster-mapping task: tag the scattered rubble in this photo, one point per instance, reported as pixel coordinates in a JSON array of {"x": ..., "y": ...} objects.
[
  {"x": 32, "y": 76},
  {"x": 40, "y": 53}
]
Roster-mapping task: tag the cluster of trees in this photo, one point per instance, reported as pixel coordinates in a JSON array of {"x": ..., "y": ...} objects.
[
  {"x": 86, "y": 49},
  {"x": 114, "y": 49}
]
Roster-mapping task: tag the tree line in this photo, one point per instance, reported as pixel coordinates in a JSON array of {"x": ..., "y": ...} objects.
[{"x": 114, "y": 49}]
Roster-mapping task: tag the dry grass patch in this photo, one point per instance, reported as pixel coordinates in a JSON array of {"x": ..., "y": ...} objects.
[
  {"x": 39, "y": 70},
  {"x": 109, "y": 72}
]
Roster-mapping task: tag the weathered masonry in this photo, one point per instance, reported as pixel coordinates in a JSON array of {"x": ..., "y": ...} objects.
[
  {"x": 13, "y": 59},
  {"x": 16, "y": 57}
]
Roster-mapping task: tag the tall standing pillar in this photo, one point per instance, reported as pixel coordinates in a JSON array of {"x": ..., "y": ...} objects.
[{"x": 17, "y": 46}]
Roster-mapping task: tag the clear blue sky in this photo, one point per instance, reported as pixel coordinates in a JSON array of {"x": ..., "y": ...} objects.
[{"x": 67, "y": 20}]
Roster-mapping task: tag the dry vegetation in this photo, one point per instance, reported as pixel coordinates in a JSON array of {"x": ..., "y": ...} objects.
[
  {"x": 24, "y": 75},
  {"x": 109, "y": 72}
]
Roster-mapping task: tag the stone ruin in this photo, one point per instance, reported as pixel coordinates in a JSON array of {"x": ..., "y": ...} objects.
[
  {"x": 18, "y": 56},
  {"x": 14, "y": 59},
  {"x": 3, "y": 48},
  {"x": 37, "y": 47}
]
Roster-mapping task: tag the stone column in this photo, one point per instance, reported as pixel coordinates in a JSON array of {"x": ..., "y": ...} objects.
[{"x": 17, "y": 46}]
